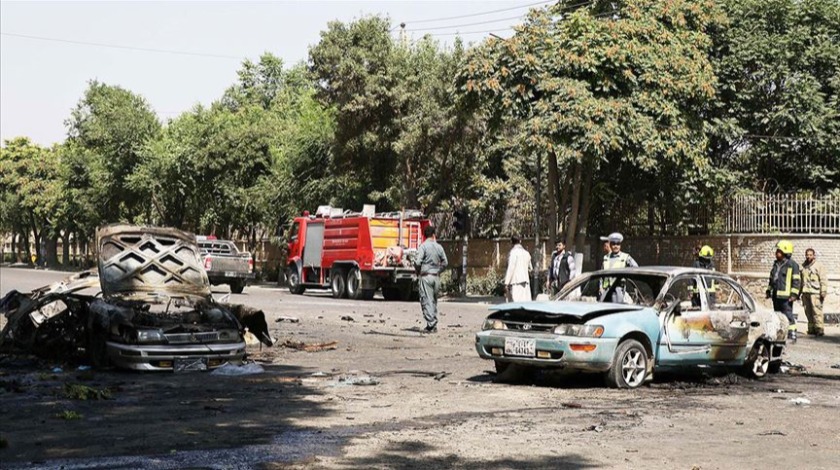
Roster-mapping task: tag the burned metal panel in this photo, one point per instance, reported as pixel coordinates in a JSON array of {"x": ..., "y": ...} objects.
[{"x": 152, "y": 264}]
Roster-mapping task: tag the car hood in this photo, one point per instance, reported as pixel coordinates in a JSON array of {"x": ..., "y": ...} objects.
[
  {"x": 152, "y": 264},
  {"x": 581, "y": 310}
]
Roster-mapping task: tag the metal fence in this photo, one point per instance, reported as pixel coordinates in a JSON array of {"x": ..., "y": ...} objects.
[{"x": 788, "y": 213}]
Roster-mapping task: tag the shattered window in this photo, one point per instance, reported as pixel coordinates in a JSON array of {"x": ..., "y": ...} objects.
[
  {"x": 684, "y": 290},
  {"x": 722, "y": 295}
]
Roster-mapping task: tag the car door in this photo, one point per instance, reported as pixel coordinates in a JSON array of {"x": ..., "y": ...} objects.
[
  {"x": 729, "y": 316},
  {"x": 687, "y": 335}
]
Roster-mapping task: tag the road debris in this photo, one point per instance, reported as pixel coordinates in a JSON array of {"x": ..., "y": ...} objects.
[
  {"x": 347, "y": 318},
  {"x": 772, "y": 433},
  {"x": 237, "y": 370},
  {"x": 287, "y": 319},
  {"x": 313, "y": 347},
  {"x": 597, "y": 427},
  {"x": 835, "y": 366},
  {"x": 441, "y": 375},
  {"x": 800, "y": 401},
  {"x": 363, "y": 380},
  {"x": 791, "y": 368}
]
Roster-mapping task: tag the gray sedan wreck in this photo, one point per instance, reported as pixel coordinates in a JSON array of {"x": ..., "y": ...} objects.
[{"x": 153, "y": 311}]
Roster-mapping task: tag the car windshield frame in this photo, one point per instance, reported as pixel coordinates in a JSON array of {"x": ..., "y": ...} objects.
[{"x": 640, "y": 278}]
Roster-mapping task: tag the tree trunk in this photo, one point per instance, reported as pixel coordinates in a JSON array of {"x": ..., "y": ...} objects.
[
  {"x": 571, "y": 233},
  {"x": 51, "y": 251},
  {"x": 65, "y": 248},
  {"x": 553, "y": 190},
  {"x": 584, "y": 210},
  {"x": 27, "y": 248},
  {"x": 564, "y": 201}
]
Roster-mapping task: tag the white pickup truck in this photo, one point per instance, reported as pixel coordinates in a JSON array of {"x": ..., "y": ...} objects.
[{"x": 225, "y": 264}]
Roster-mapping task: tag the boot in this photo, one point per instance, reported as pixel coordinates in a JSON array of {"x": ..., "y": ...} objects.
[{"x": 792, "y": 336}]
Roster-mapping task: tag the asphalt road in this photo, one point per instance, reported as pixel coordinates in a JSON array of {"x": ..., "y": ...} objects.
[{"x": 389, "y": 397}]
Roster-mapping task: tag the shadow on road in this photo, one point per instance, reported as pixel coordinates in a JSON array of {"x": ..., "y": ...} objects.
[{"x": 416, "y": 454}]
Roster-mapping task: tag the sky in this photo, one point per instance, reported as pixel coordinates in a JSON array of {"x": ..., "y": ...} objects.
[{"x": 179, "y": 54}]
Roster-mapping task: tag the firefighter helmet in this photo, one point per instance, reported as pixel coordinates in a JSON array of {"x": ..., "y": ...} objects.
[
  {"x": 706, "y": 252},
  {"x": 785, "y": 247}
]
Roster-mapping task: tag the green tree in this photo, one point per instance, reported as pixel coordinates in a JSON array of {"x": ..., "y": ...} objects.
[
  {"x": 602, "y": 90},
  {"x": 114, "y": 123},
  {"x": 778, "y": 117},
  {"x": 401, "y": 139}
]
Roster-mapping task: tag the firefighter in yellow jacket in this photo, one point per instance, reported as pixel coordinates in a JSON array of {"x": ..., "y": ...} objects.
[
  {"x": 784, "y": 284},
  {"x": 814, "y": 290}
]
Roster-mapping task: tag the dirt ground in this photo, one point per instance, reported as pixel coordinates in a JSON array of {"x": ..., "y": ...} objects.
[{"x": 389, "y": 397}]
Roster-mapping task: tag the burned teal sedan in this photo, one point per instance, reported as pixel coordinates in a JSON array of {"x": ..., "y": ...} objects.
[{"x": 629, "y": 323}]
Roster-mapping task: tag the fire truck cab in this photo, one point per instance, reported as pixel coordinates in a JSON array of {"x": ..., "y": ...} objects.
[{"x": 355, "y": 253}]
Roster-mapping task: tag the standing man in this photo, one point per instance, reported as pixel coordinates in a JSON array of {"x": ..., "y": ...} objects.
[
  {"x": 429, "y": 263},
  {"x": 814, "y": 290},
  {"x": 614, "y": 260},
  {"x": 562, "y": 268},
  {"x": 784, "y": 285},
  {"x": 517, "y": 281}
]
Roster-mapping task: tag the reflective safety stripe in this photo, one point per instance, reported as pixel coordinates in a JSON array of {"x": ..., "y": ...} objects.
[
  {"x": 792, "y": 328},
  {"x": 610, "y": 264},
  {"x": 788, "y": 280}
]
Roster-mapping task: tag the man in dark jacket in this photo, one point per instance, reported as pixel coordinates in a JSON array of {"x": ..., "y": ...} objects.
[
  {"x": 784, "y": 284},
  {"x": 561, "y": 269}
]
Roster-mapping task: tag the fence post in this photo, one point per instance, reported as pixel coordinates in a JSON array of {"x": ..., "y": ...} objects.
[{"x": 729, "y": 254}]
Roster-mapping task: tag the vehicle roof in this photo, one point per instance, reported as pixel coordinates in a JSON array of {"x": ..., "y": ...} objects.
[{"x": 661, "y": 270}]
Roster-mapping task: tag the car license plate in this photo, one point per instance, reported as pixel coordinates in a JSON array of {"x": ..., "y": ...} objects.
[
  {"x": 231, "y": 274},
  {"x": 186, "y": 364},
  {"x": 520, "y": 347}
]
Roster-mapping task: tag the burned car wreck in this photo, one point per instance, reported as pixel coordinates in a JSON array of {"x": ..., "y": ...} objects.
[
  {"x": 629, "y": 323},
  {"x": 148, "y": 306}
]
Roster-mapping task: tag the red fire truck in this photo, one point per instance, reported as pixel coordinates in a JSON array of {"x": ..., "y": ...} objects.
[{"x": 355, "y": 253}]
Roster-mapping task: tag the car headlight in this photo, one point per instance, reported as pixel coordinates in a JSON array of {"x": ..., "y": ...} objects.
[
  {"x": 150, "y": 336},
  {"x": 491, "y": 324},
  {"x": 587, "y": 331}
]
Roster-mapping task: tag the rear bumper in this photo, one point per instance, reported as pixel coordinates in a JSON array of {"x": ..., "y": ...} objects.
[
  {"x": 223, "y": 277},
  {"x": 557, "y": 346},
  {"x": 162, "y": 357}
]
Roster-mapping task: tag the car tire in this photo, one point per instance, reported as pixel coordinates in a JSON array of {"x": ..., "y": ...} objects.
[
  {"x": 630, "y": 365},
  {"x": 758, "y": 362},
  {"x": 354, "y": 284},
  {"x": 367, "y": 294},
  {"x": 237, "y": 287},
  {"x": 338, "y": 284},
  {"x": 501, "y": 367},
  {"x": 295, "y": 282}
]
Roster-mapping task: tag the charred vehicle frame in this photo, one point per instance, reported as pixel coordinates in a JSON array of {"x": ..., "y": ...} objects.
[
  {"x": 658, "y": 318},
  {"x": 153, "y": 309}
]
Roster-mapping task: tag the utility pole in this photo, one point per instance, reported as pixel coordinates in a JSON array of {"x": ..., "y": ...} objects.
[{"x": 537, "y": 258}]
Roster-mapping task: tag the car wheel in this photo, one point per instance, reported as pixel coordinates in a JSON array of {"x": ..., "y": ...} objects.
[
  {"x": 354, "y": 284},
  {"x": 501, "y": 367},
  {"x": 295, "y": 282},
  {"x": 237, "y": 287},
  {"x": 338, "y": 284},
  {"x": 758, "y": 363},
  {"x": 630, "y": 365}
]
